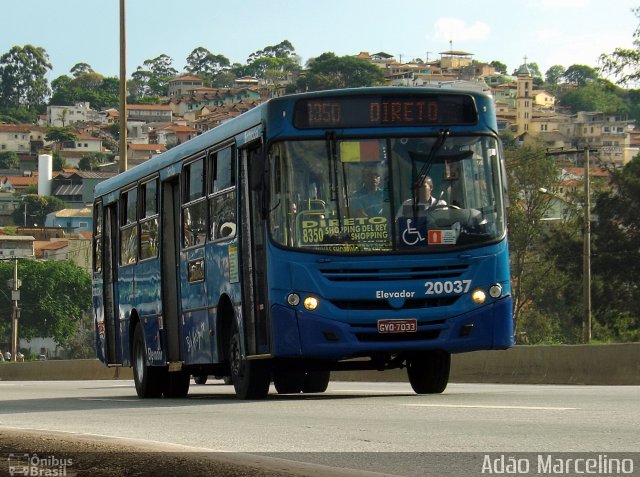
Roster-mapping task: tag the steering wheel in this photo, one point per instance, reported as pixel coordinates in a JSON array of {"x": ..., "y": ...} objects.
[{"x": 444, "y": 206}]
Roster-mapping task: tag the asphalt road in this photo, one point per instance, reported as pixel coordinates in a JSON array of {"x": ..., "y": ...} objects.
[{"x": 353, "y": 429}]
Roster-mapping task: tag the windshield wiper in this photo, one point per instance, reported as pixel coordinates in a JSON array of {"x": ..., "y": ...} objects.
[{"x": 443, "y": 134}]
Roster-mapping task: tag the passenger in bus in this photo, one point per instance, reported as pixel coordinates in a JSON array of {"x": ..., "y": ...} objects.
[
  {"x": 423, "y": 199},
  {"x": 368, "y": 201}
]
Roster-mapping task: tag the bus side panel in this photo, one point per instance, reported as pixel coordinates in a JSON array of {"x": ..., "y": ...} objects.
[
  {"x": 222, "y": 279},
  {"x": 148, "y": 307},
  {"x": 126, "y": 299},
  {"x": 196, "y": 343},
  {"x": 98, "y": 311}
]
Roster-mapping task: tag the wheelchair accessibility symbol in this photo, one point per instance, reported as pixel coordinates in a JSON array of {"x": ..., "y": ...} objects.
[{"x": 411, "y": 235}]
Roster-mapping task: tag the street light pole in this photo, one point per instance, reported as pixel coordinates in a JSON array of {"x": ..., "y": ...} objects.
[
  {"x": 123, "y": 89},
  {"x": 586, "y": 244},
  {"x": 15, "y": 311},
  {"x": 586, "y": 273}
]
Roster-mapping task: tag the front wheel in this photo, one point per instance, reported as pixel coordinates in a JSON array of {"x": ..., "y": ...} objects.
[
  {"x": 316, "y": 381},
  {"x": 148, "y": 379},
  {"x": 288, "y": 382},
  {"x": 429, "y": 371},
  {"x": 251, "y": 378}
]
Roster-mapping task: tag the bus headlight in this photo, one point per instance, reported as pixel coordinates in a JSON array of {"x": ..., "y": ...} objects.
[
  {"x": 293, "y": 299},
  {"x": 311, "y": 303},
  {"x": 478, "y": 297},
  {"x": 495, "y": 291}
]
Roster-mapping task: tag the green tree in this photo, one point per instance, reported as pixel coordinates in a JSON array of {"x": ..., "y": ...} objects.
[
  {"x": 531, "y": 172},
  {"x": 53, "y": 298},
  {"x": 624, "y": 63},
  {"x": 92, "y": 161},
  {"x": 91, "y": 87},
  {"x": 554, "y": 74},
  {"x": 152, "y": 78},
  {"x": 329, "y": 71},
  {"x": 23, "y": 79},
  {"x": 205, "y": 64},
  {"x": 80, "y": 69},
  {"x": 580, "y": 75},
  {"x": 60, "y": 135},
  {"x": 9, "y": 160},
  {"x": 35, "y": 209},
  {"x": 598, "y": 95},
  {"x": 499, "y": 67},
  {"x": 59, "y": 162},
  {"x": 615, "y": 261}
]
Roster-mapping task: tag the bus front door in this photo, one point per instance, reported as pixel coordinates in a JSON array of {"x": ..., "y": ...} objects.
[
  {"x": 169, "y": 255},
  {"x": 110, "y": 283},
  {"x": 254, "y": 263}
]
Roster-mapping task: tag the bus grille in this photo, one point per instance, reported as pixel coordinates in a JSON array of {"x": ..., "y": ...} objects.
[
  {"x": 416, "y": 303},
  {"x": 393, "y": 274}
]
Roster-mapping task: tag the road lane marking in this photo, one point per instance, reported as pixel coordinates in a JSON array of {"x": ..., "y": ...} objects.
[
  {"x": 112, "y": 399},
  {"x": 479, "y": 406}
]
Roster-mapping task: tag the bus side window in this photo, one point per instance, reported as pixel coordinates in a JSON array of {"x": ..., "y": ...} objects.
[
  {"x": 97, "y": 233},
  {"x": 128, "y": 227},
  {"x": 149, "y": 220},
  {"x": 194, "y": 214},
  {"x": 222, "y": 202}
]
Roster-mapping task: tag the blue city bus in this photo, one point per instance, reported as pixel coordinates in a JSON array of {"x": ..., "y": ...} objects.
[{"x": 297, "y": 239}]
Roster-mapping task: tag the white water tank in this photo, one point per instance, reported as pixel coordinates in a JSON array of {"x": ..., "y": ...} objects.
[{"x": 45, "y": 174}]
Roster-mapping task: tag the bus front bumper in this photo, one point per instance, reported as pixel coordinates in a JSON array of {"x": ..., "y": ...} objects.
[{"x": 312, "y": 336}]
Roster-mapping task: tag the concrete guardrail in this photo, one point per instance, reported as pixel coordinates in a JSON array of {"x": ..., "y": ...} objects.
[{"x": 617, "y": 364}]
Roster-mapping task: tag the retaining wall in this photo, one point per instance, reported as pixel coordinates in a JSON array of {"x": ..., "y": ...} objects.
[{"x": 579, "y": 364}]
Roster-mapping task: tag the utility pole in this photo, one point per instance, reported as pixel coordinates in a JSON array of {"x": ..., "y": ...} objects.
[
  {"x": 586, "y": 269},
  {"x": 14, "y": 285},
  {"x": 586, "y": 244},
  {"x": 123, "y": 89}
]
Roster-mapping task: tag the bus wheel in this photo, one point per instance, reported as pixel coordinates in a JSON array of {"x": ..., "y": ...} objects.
[
  {"x": 176, "y": 384},
  {"x": 251, "y": 378},
  {"x": 288, "y": 382},
  {"x": 316, "y": 381},
  {"x": 148, "y": 379},
  {"x": 429, "y": 371},
  {"x": 200, "y": 379}
]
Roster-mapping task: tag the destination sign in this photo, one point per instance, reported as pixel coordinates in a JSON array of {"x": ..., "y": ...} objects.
[{"x": 384, "y": 111}]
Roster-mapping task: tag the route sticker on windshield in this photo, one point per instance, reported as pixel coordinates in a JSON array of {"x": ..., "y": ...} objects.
[{"x": 441, "y": 237}]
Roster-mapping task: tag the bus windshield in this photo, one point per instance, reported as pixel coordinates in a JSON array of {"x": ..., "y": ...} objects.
[{"x": 420, "y": 194}]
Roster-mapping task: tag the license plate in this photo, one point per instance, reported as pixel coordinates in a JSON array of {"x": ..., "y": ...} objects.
[{"x": 398, "y": 326}]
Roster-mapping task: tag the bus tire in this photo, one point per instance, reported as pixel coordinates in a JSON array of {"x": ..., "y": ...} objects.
[
  {"x": 429, "y": 371},
  {"x": 288, "y": 382},
  {"x": 200, "y": 379},
  {"x": 316, "y": 381},
  {"x": 176, "y": 384},
  {"x": 251, "y": 378},
  {"x": 148, "y": 379}
]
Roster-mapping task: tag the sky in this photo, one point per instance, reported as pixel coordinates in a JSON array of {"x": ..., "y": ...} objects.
[{"x": 547, "y": 32}]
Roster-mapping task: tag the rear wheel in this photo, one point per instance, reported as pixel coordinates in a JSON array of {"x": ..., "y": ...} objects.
[
  {"x": 148, "y": 379},
  {"x": 429, "y": 371},
  {"x": 176, "y": 384},
  {"x": 316, "y": 381},
  {"x": 251, "y": 378},
  {"x": 200, "y": 379}
]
